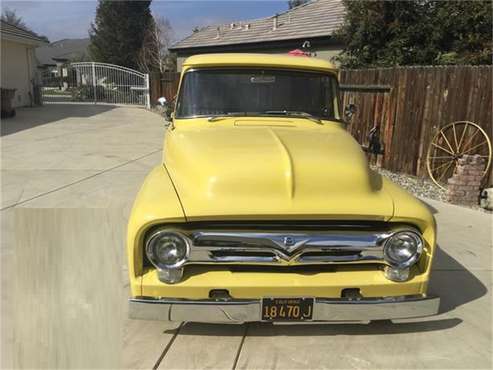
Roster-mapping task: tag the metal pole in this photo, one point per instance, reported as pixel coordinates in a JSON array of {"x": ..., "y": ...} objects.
[
  {"x": 148, "y": 99},
  {"x": 94, "y": 80}
]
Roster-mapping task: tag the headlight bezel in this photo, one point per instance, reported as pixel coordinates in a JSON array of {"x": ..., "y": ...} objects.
[
  {"x": 420, "y": 243},
  {"x": 154, "y": 237}
]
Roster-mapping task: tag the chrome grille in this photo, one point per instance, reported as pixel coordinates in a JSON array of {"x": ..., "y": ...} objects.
[{"x": 284, "y": 247}]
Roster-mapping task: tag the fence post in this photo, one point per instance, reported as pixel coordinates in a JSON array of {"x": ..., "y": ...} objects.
[
  {"x": 148, "y": 99},
  {"x": 94, "y": 80},
  {"x": 154, "y": 90}
]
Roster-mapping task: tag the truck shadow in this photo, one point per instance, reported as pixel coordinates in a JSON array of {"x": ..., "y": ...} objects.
[
  {"x": 454, "y": 283},
  {"x": 450, "y": 280}
]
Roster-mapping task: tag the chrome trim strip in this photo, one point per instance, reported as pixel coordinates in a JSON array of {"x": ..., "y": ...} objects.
[
  {"x": 324, "y": 309},
  {"x": 278, "y": 239}
]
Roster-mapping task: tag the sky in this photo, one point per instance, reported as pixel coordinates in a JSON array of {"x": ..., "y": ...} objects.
[{"x": 71, "y": 19}]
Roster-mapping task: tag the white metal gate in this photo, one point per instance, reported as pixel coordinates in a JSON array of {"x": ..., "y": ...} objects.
[{"x": 91, "y": 82}]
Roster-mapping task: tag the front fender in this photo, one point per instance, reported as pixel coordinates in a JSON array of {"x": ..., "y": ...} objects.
[
  {"x": 410, "y": 210},
  {"x": 157, "y": 202}
]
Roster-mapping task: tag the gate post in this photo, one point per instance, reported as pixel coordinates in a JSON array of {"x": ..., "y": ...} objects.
[
  {"x": 148, "y": 100},
  {"x": 94, "y": 80}
]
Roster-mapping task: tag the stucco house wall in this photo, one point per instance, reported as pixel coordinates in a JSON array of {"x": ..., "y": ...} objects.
[
  {"x": 19, "y": 65},
  {"x": 18, "y": 69}
]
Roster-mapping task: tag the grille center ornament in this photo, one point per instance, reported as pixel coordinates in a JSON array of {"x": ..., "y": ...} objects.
[{"x": 288, "y": 241}]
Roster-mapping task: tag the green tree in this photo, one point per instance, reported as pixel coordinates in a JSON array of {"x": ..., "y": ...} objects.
[
  {"x": 294, "y": 3},
  {"x": 11, "y": 17},
  {"x": 387, "y": 33},
  {"x": 466, "y": 32},
  {"x": 118, "y": 32}
]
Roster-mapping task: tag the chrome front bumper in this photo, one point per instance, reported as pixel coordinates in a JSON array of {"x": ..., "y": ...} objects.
[{"x": 238, "y": 311}]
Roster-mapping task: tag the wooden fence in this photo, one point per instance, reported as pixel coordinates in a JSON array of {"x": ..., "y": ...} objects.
[
  {"x": 411, "y": 103},
  {"x": 163, "y": 84}
]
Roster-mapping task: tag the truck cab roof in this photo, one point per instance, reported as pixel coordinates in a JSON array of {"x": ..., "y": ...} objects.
[{"x": 258, "y": 60}]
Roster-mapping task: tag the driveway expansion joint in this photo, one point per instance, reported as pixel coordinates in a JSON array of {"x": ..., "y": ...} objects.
[
  {"x": 168, "y": 346},
  {"x": 80, "y": 180}
]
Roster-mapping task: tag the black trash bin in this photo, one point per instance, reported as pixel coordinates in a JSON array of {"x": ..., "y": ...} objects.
[{"x": 7, "y": 109}]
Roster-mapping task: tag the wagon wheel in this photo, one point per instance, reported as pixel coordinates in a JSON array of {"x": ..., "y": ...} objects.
[{"x": 451, "y": 143}]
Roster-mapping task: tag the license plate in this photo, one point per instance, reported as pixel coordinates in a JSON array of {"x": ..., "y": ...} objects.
[{"x": 287, "y": 309}]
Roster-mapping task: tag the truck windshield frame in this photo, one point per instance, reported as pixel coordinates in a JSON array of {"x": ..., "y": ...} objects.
[{"x": 213, "y": 92}]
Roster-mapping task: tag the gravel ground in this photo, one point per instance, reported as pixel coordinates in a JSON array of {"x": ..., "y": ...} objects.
[{"x": 423, "y": 188}]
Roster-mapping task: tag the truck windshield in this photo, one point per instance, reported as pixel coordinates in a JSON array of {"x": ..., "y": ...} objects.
[{"x": 218, "y": 92}]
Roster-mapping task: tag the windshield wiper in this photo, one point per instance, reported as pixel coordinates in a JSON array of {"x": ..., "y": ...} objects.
[
  {"x": 227, "y": 115},
  {"x": 269, "y": 112},
  {"x": 306, "y": 115}
]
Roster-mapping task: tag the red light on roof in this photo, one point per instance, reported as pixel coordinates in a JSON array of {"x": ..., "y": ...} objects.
[{"x": 298, "y": 53}]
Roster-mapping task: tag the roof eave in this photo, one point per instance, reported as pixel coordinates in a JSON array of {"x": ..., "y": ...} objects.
[
  {"x": 328, "y": 38},
  {"x": 30, "y": 41}
]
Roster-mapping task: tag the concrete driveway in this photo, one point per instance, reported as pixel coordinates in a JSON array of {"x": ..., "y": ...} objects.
[
  {"x": 75, "y": 156},
  {"x": 71, "y": 150}
]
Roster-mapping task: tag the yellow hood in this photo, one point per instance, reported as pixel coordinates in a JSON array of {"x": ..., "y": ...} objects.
[{"x": 255, "y": 168}]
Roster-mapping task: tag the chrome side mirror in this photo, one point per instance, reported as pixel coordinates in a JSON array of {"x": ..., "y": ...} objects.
[{"x": 349, "y": 110}]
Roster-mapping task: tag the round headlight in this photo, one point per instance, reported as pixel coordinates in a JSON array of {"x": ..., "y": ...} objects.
[
  {"x": 403, "y": 248},
  {"x": 166, "y": 249}
]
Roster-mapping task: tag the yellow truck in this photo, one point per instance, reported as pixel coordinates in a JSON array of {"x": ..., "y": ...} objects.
[{"x": 264, "y": 207}]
